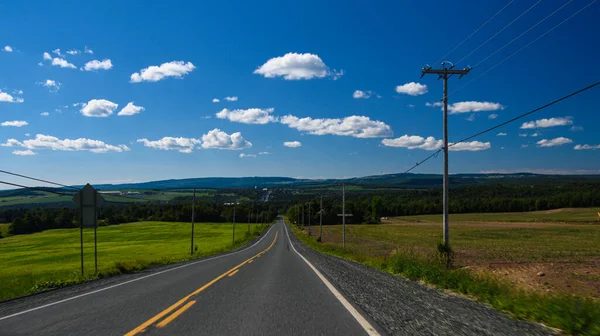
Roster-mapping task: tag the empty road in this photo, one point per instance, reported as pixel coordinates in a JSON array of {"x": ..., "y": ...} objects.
[{"x": 265, "y": 289}]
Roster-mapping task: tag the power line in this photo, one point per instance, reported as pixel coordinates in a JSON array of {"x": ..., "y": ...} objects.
[
  {"x": 33, "y": 188},
  {"x": 500, "y": 31},
  {"x": 518, "y": 51},
  {"x": 525, "y": 32},
  {"x": 475, "y": 32},
  {"x": 37, "y": 179}
]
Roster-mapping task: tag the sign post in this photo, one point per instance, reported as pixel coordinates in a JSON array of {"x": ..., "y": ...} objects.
[{"x": 88, "y": 200}]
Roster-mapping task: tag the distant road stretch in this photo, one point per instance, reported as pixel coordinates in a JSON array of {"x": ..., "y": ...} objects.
[{"x": 265, "y": 289}]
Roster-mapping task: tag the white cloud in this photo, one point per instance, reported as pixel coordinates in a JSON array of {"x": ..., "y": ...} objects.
[
  {"x": 292, "y": 144},
  {"x": 8, "y": 48},
  {"x": 414, "y": 142},
  {"x": 248, "y": 116},
  {"x": 183, "y": 145},
  {"x": 87, "y": 50},
  {"x": 242, "y": 155},
  {"x": 536, "y": 134},
  {"x": 130, "y": 110},
  {"x": 544, "y": 123},
  {"x": 27, "y": 134},
  {"x": 98, "y": 108},
  {"x": 522, "y": 134},
  {"x": 471, "y": 117},
  {"x": 42, "y": 141},
  {"x": 355, "y": 126},
  {"x": 155, "y": 73},
  {"x": 5, "y": 97},
  {"x": 231, "y": 99},
  {"x": 430, "y": 143},
  {"x": 20, "y": 92},
  {"x": 412, "y": 89},
  {"x": 73, "y": 52},
  {"x": 264, "y": 153},
  {"x": 576, "y": 128},
  {"x": 493, "y": 116},
  {"x": 27, "y": 152},
  {"x": 57, "y": 51},
  {"x": 582, "y": 147},
  {"x": 411, "y": 105},
  {"x": 524, "y": 146},
  {"x": 15, "y": 123},
  {"x": 473, "y": 106},
  {"x": 59, "y": 62},
  {"x": 295, "y": 66},
  {"x": 215, "y": 100},
  {"x": 358, "y": 94},
  {"x": 554, "y": 142},
  {"x": 47, "y": 57},
  {"x": 221, "y": 140},
  {"x": 98, "y": 65},
  {"x": 435, "y": 104},
  {"x": 52, "y": 85},
  {"x": 501, "y": 134},
  {"x": 45, "y": 114}
]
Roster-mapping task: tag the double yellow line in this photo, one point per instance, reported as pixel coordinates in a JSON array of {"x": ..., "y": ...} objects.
[{"x": 188, "y": 303}]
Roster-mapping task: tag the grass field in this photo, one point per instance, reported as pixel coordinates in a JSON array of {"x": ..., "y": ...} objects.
[{"x": 52, "y": 258}]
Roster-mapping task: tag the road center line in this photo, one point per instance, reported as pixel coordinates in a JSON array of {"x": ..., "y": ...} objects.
[
  {"x": 173, "y": 316},
  {"x": 234, "y": 272},
  {"x": 134, "y": 280},
  {"x": 359, "y": 318}
]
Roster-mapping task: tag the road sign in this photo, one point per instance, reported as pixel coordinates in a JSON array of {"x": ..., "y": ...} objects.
[{"x": 88, "y": 199}]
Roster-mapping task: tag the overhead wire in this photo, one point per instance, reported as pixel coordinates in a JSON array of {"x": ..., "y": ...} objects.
[
  {"x": 475, "y": 32},
  {"x": 37, "y": 179},
  {"x": 34, "y": 188}
]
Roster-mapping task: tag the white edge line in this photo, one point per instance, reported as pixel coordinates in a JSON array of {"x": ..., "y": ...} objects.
[
  {"x": 359, "y": 318},
  {"x": 136, "y": 279}
]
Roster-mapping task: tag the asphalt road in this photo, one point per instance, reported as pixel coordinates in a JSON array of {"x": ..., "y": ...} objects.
[{"x": 265, "y": 289}]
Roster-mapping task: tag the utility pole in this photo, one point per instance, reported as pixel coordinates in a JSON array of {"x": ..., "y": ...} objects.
[
  {"x": 193, "y": 206},
  {"x": 309, "y": 206},
  {"x": 445, "y": 73},
  {"x": 343, "y": 215},
  {"x": 321, "y": 221},
  {"x": 249, "y": 212},
  {"x": 233, "y": 232},
  {"x": 302, "y": 227},
  {"x": 297, "y": 216}
]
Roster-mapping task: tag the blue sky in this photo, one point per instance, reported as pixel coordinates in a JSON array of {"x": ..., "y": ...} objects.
[{"x": 286, "y": 63}]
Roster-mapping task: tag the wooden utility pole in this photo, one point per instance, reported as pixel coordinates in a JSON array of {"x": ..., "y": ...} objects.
[
  {"x": 445, "y": 73},
  {"x": 321, "y": 221}
]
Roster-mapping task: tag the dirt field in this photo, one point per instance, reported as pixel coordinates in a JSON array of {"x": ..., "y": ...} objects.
[{"x": 566, "y": 253}]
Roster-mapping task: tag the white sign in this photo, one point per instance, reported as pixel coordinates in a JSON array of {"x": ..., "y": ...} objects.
[{"x": 88, "y": 199}]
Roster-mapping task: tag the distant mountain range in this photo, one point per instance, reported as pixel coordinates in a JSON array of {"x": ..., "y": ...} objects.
[{"x": 377, "y": 181}]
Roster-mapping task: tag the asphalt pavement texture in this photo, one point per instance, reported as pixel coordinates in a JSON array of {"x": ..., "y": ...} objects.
[{"x": 268, "y": 287}]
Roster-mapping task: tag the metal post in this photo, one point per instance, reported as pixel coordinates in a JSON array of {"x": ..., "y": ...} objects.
[
  {"x": 193, "y": 208},
  {"x": 81, "y": 231},
  {"x": 446, "y": 207},
  {"x": 343, "y": 215},
  {"x": 233, "y": 235},
  {"x": 95, "y": 234},
  {"x": 321, "y": 221},
  {"x": 309, "y": 206}
]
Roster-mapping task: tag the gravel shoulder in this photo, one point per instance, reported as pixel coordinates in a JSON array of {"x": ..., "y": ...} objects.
[{"x": 403, "y": 307}]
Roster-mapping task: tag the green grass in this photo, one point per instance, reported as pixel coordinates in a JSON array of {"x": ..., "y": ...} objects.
[
  {"x": 4, "y": 230},
  {"x": 51, "y": 258},
  {"x": 558, "y": 215},
  {"x": 574, "y": 315}
]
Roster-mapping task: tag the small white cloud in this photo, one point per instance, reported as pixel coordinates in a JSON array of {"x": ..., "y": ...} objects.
[
  {"x": 57, "y": 51},
  {"x": 15, "y": 123},
  {"x": 183, "y": 145},
  {"x": 471, "y": 117},
  {"x": 206, "y": 117},
  {"x": 7, "y": 98},
  {"x": 231, "y": 99},
  {"x": 62, "y": 63},
  {"x": 524, "y": 146},
  {"x": 472, "y": 146},
  {"x": 358, "y": 94},
  {"x": 522, "y": 134},
  {"x": 295, "y": 66},
  {"x": 554, "y": 142},
  {"x": 19, "y": 92},
  {"x": 355, "y": 126},
  {"x": 292, "y": 144},
  {"x": 585, "y": 147},
  {"x": 430, "y": 143},
  {"x": 8, "y": 48},
  {"x": 47, "y": 56},
  {"x": 576, "y": 128},
  {"x": 155, "y": 73},
  {"x": 45, "y": 114},
  {"x": 536, "y": 134},
  {"x": 501, "y": 134},
  {"x": 493, "y": 116},
  {"x": 52, "y": 85},
  {"x": 42, "y": 141},
  {"x": 473, "y": 106},
  {"x": 221, "y": 140},
  {"x": 544, "y": 123},
  {"x": 264, "y": 153},
  {"x": 435, "y": 104},
  {"x": 27, "y": 152},
  {"x": 412, "y": 89},
  {"x": 73, "y": 52},
  {"x": 411, "y": 106},
  {"x": 130, "y": 110},
  {"x": 96, "y": 65},
  {"x": 87, "y": 50},
  {"x": 27, "y": 134},
  {"x": 215, "y": 100},
  {"x": 242, "y": 155},
  {"x": 98, "y": 108},
  {"x": 248, "y": 116},
  {"x": 40, "y": 64}
]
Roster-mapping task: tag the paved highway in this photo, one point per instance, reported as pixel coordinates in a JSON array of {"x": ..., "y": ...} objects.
[{"x": 265, "y": 289}]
